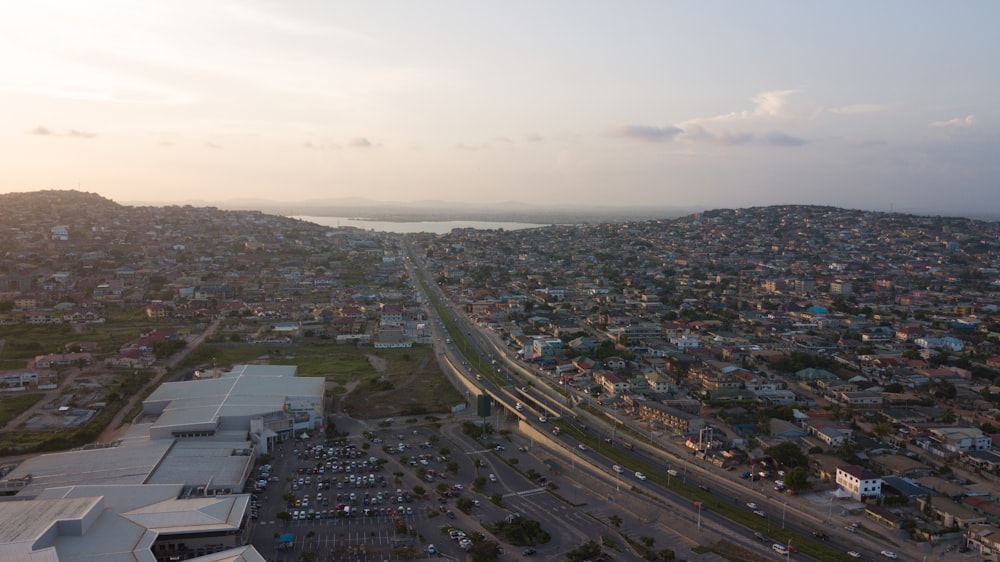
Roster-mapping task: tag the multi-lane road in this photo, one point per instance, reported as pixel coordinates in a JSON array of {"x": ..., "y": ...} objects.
[{"x": 531, "y": 388}]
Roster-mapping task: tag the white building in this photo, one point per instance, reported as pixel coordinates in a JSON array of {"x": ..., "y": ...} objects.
[
  {"x": 858, "y": 482},
  {"x": 961, "y": 439}
]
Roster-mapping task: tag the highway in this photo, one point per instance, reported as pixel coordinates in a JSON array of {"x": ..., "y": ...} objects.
[{"x": 533, "y": 390}]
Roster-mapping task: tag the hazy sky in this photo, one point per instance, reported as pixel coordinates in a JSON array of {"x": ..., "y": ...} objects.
[{"x": 717, "y": 103}]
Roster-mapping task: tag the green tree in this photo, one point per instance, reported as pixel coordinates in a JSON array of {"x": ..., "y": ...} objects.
[
  {"x": 615, "y": 521},
  {"x": 882, "y": 429},
  {"x": 485, "y": 551},
  {"x": 797, "y": 479},
  {"x": 787, "y": 454},
  {"x": 586, "y": 551}
]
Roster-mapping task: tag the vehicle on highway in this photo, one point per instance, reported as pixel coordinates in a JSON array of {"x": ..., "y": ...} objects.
[
  {"x": 543, "y": 419},
  {"x": 751, "y": 505},
  {"x": 528, "y": 551},
  {"x": 779, "y": 548},
  {"x": 493, "y": 478},
  {"x": 640, "y": 476},
  {"x": 582, "y": 447},
  {"x": 889, "y": 554},
  {"x": 854, "y": 554},
  {"x": 618, "y": 469},
  {"x": 518, "y": 406},
  {"x": 760, "y": 513}
]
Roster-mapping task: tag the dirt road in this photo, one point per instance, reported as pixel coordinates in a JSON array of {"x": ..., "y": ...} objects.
[{"x": 118, "y": 425}]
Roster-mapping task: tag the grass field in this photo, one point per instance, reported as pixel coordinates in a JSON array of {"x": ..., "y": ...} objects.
[
  {"x": 12, "y": 405},
  {"x": 411, "y": 384},
  {"x": 383, "y": 382}
]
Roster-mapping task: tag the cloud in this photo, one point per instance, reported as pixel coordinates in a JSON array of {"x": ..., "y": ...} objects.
[
  {"x": 534, "y": 137},
  {"x": 859, "y": 108},
  {"x": 767, "y": 105},
  {"x": 647, "y": 133},
  {"x": 697, "y": 133},
  {"x": 777, "y": 138},
  {"x": 771, "y": 103},
  {"x": 361, "y": 142},
  {"x": 964, "y": 122},
  {"x": 47, "y": 132}
]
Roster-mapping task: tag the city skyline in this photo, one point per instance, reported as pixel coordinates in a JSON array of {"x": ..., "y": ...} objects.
[{"x": 875, "y": 106}]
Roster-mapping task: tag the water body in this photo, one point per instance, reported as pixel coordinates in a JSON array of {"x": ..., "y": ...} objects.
[{"x": 434, "y": 227}]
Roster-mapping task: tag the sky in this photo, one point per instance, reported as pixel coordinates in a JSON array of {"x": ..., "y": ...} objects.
[{"x": 888, "y": 105}]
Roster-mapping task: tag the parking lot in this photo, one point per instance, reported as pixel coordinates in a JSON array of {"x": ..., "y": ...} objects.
[{"x": 353, "y": 498}]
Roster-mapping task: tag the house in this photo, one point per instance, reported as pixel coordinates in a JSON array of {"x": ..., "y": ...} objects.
[
  {"x": 678, "y": 420},
  {"x": 612, "y": 383},
  {"x": 858, "y": 482},
  {"x": 960, "y": 439},
  {"x": 861, "y": 399}
]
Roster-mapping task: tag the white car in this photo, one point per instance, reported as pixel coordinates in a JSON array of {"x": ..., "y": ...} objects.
[
  {"x": 889, "y": 554},
  {"x": 640, "y": 476},
  {"x": 751, "y": 505},
  {"x": 582, "y": 447},
  {"x": 493, "y": 478},
  {"x": 779, "y": 548},
  {"x": 618, "y": 469},
  {"x": 854, "y": 554},
  {"x": 543, "y": 419}
]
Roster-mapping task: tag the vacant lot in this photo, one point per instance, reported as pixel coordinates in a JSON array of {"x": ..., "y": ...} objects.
[{"x": 384, "y": 382}]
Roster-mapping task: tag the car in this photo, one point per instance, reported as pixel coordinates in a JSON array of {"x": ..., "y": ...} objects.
[
  {"x": 493, "y": 478},
  {"x": 751, "y": 505},
  {"x": 543, "y": 419},
  {"x": 760, "y": 513},
  {"x": 821, "y": 535},
  {"x": 640, "y": 476},
  {"x": 582, "y": 447},
  {"x": 528, "y": 551},
  {"x": 889, "y": 554},
  {"x": 617, "y": 469},
  {"x": 854, "y": 554},
  {"x": 431, "y": 549},
  {"x": 779, "y": 548}
]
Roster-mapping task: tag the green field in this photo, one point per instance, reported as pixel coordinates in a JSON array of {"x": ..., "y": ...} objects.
[{"x": 12, "y": 405}]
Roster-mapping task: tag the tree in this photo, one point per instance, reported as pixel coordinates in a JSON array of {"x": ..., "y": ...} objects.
[
  {"x": 787, "y": 454},
  {"x": 485, "y": 551},
  {"x": 615, "y": 521},
  {"x": 948, "y": 416},
  {"x": 586, "y": 551},
  {"x": 882, "y": 429},
  {"x": 797, "y": 479}
]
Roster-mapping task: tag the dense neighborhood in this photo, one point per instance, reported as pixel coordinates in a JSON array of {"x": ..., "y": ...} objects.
[{"x": 850, "y": 351}]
